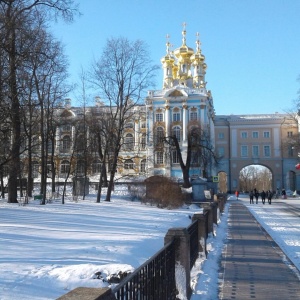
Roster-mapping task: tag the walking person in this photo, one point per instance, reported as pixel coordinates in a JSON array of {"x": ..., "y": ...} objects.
[
  {"x": 256, "y": 195},
  {"x": 270, "y": 194},
  {"x": 251, "y": 197},
  {"x": 263, "y": 197},
  {"x": 237, "y": 193}
]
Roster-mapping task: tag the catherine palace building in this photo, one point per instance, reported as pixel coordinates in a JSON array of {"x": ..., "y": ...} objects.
[{"x": 184, "y": 102}]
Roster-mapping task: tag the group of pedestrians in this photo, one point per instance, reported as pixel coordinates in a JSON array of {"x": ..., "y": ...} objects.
[{"x": 264, "y": 195}]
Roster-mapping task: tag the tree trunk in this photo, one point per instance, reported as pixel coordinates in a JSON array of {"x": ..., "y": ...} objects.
[{"x": 16, "y": 124}]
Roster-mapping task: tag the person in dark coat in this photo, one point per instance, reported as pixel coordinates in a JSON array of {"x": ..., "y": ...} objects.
[
  {"x": 263, "y": 197},
  {"x": 270, "y": 194},
  {"x": 251, "y": 197},
  {"x": 256, "y": 195}
]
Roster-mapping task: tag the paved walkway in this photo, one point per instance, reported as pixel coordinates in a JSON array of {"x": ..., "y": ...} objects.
[{"x": 252, "y": 265}]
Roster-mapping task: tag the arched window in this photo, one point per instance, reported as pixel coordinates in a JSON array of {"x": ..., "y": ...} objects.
[
  {"x": 143, "y": 165},
  {"x": 64, "y": 168},
  {"x": 66, "y": 144},
  {"x": 129, "y": 141},
  {"x": 160, "y": 134},
  {"x": 128, "y": 164},
  {"x": 176, "y": 133}
]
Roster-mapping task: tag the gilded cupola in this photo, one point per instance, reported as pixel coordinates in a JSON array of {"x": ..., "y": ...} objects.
[{"x": 183, "y": 66}]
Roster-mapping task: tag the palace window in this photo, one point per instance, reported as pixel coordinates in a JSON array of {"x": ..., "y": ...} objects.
[
  {"x": 64, "y": 167},
  {"x": 159, "y": 117},
  {"x": 176, "y": 117},
  {"x": 96, "y": 166},
  {"x": 80, "y": 168},
  {"x": 266, "y": 134},
  {"x": 160, "y": 134},
  {"x": 129, "y": 141},
  {"x": 129, "y": 125},
  {"x": 143, "y": 141},
  {"x": 290, "y": 134},
  {"x": 255, "y": 134},
  {"x": 128, "y": 164},
  {"x": 35, "y": 169},
  {"x": 176, "y": 133},
  {"x": 255, "y": 151},
  {"x": 159, "y": 157},
  {"x": 221, "y": 151},
  {"x": 244, "y": 151},
  {"x": 267, "y": 151},
  {"x": 244, "y": 134},
  {"x": 175, "y": 157},
  {"x": 143, "y": 165},
  {"x": 66, "y": 144},
  {"x": 193, "y": 116},
  {"x": 221, "y": 135}
]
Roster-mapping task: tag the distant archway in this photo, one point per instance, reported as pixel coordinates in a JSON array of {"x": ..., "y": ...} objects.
[{"x": 255, "y": 177}]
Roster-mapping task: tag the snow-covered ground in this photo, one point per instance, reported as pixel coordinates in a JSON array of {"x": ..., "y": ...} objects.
[{"x": 47, "y": 250}]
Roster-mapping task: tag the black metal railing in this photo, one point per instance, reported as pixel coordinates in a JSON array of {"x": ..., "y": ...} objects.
[
  {"x": 194, "y": 248},
  {"x": 153, "y": 280}
]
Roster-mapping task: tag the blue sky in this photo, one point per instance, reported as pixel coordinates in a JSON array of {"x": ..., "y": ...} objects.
[{"x": 252, "y": 47}]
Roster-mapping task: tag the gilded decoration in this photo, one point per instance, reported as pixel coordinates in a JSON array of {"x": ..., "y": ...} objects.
[
  {"x": 66, "y": 114},
  {"x": 177, "y": 123},
  {"x": 160, "y": 124},
  {"x": 176, "y": 93}
]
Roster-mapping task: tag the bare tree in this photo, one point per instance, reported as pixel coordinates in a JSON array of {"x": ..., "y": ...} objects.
[
  {"x": 123, "y": 74},
  {"x": 200, "y": 152},
  {"x": 16, "y": 17},
  {"x": 255, "y": 177}
]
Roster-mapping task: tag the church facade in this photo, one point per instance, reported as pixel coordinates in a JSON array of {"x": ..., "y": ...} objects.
[{"x": 239, "y": 140}]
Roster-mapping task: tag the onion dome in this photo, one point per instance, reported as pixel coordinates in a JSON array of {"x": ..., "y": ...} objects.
[
  {"x": 169, "y": 57},
  {"x": 184, "y": 51},
  {"x": 198, "y": 57}
]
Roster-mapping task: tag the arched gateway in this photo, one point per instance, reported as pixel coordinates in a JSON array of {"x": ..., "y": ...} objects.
[{"x": 267, "y": 140}]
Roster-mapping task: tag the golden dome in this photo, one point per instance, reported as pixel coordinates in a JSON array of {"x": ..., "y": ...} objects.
[
  {"x": 184, "y": 51},
  {"x": 198, "y": 56},
  {"x": 169, "y": 57}
]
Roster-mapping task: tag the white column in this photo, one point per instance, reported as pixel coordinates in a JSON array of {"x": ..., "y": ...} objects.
[
  {"x": 149, "y": 136},
  {"x": 57, "y": 139},
  {"x": 167, "y": 120},
  {"x": 202, "y": 114},
  {"x": 184, "y": 122},
  {"x": 136, "y": 134}
]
